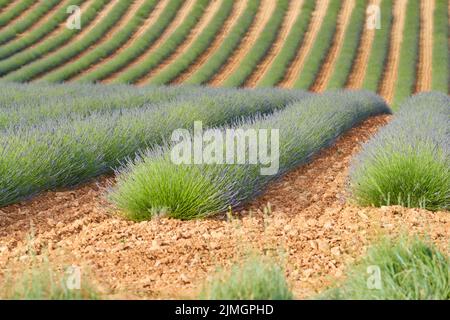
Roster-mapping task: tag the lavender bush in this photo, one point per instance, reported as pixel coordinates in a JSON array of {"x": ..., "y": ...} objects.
[
  {"x": 154, "y": 185},
  {"x": 408, "y": 161}
]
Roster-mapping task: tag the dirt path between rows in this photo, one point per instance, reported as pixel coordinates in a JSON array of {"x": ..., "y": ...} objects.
[
  {"x": 178, "y": 20},
  {"x": 204, "y": 21},
  {"x": 238, "y": 9},
  {"x": 358, "y": 72},
  {"x": 391, "y": 69},
  {"x": 262, "y": 17},
  {"x": 145, "y": 26},
  {"x": 327, "y": 68},
  {"x": 310, "y": 220},
  {"x": 313, "y": 29},
  {"x": 289, "y": 21},
  {"x": 425, "y": 65},
  {"x": 123, "y": 21}
]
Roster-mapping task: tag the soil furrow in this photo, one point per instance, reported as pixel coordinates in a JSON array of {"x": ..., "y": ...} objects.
[
  {"x": 263, "y": 15},
  {"x": 359, "y": 67},
  {"x": 391, "y": 69},
  {"x": 425, "y": 65},
  {"x": 313, "y": 29},
  {"x": 328, "y": 65},
  {"x": 263, "y": 67},
  {"x": 202, "y": 24},
  {"x": 150, "y": 21},
  {"x": 181, "y": 15},
  {"x": 238, "y": 8}
]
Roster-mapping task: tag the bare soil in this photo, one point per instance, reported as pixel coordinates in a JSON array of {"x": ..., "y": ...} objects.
[
  {"x": 425, "y": 65},
  {"x": 313, "y": 29},
  {"x": 262, "y": 17},
  {"x": 310, "y": 221}
]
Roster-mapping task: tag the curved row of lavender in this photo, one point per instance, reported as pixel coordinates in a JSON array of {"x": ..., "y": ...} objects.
[
  {"x": 408, "y": 162},
  {"x": 73, "y": 135},
  {"x": 156, "y": 185}
]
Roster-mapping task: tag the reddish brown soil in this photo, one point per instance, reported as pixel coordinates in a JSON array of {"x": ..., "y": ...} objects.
[
  {"x": 391, "y": 69},
  {"x": 291, "y": 16},
  {"x": 238, "y": 9},
  {"x": 425, "y": 65},
  {"x": 310, "y": 221},
  {"x": 207, "y": 17},
  {"x": 144, "y": 27},
  {"x": 327, "y": 68},
  {"x": 359, "y": 67},
  {"x": 262, "y": 17},
  {"x": 313, "y": 29},
  {"x": 178, "y": 20}
]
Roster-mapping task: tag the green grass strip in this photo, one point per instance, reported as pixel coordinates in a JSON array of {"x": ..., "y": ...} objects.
[
  {"x": 294, "y": 40},
  {"x": 201, "y": 44},
  {"x": 350, "y": 46},
  {"x": 138, "y": 48},
  {"x": 37, "y": 34},
  {"x": 63, "y": 55},
  {"x": 260, "y": 48},
  {"x": 380, "y": 48},
  {"x": 14, "y": 12},
  {"x": 409, "y": 54},
  {"x": 220, "y": 57},
  {"x": 440, "y": 48},
  {"x": 320, "y": 48},
  {"x": 407, "y": 268},
  {"x": 255, "y": 278},
  {"x": 27, "y": 21},
  {"x": 135, "y": 73},
  {"x": 105, "y": 49},
  {"x": 25, "y": 57}
]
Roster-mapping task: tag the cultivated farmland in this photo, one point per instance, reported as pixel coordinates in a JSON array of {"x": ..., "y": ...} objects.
[{"x": 103, "y": 165}]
